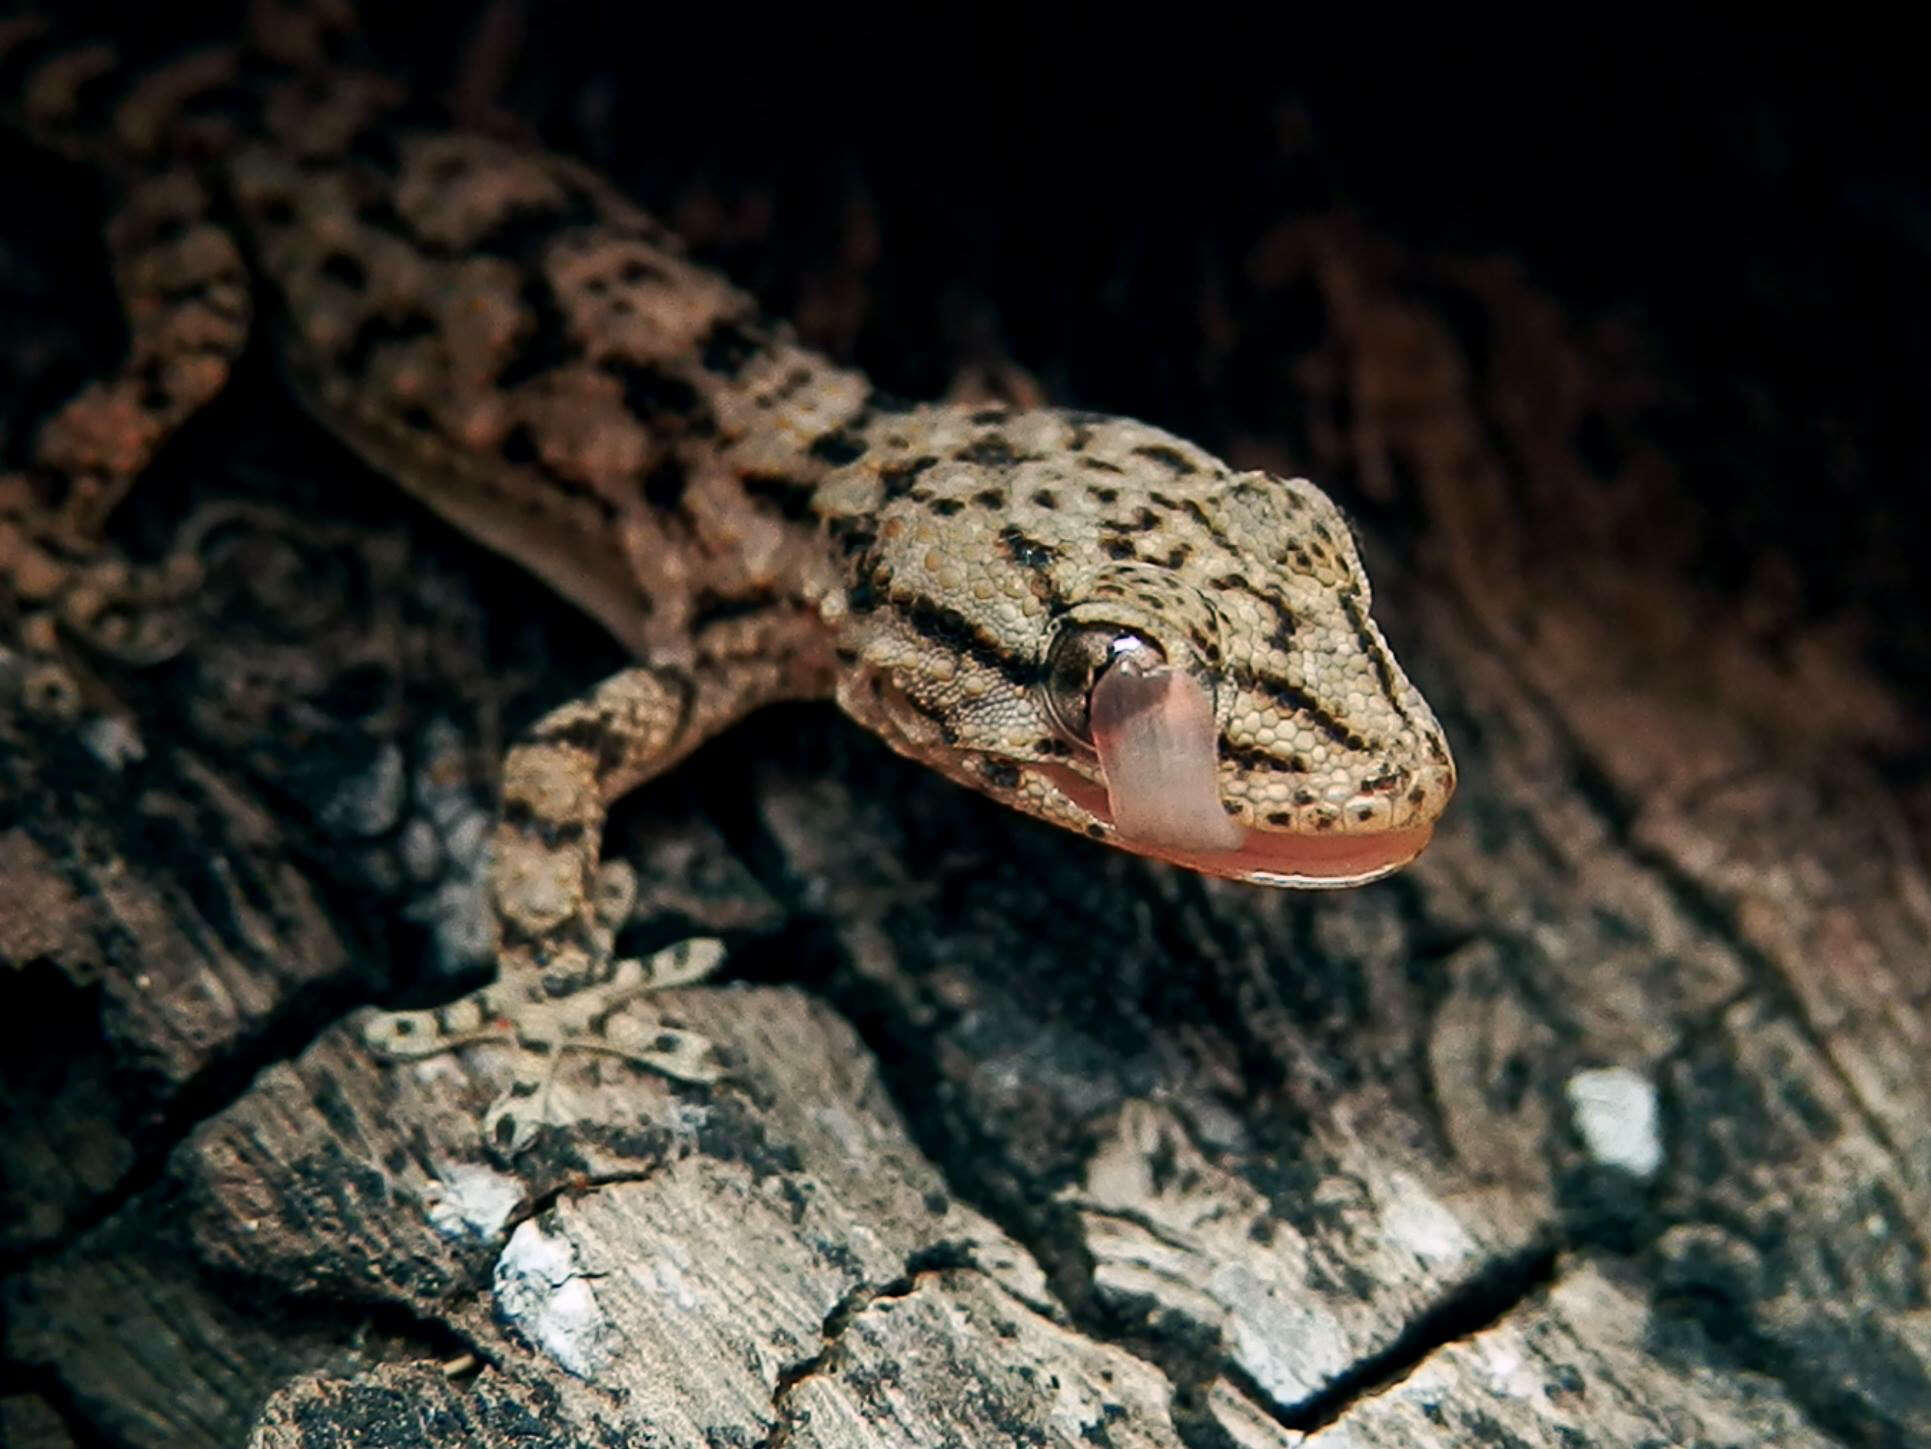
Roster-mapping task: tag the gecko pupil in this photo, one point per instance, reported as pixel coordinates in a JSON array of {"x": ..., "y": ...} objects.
[{"x": 1075, "y": 661}]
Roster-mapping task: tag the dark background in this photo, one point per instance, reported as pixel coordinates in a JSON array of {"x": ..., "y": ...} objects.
[{"x": 1069, "y": 186}]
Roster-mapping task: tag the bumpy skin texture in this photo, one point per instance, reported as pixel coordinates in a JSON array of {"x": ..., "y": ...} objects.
[
  {"x": 976, "y": 537},
  {"x": 510, "y": 340}
]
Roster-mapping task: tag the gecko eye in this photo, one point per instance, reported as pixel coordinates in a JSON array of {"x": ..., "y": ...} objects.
[{"x": 1076, "y": 660}]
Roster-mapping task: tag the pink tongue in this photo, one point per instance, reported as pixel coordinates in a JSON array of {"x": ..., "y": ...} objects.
[{"x": 1155, "y": 736}]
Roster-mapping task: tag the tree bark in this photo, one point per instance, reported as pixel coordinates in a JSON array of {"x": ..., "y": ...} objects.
[{"x": 1606, "y": 1123}]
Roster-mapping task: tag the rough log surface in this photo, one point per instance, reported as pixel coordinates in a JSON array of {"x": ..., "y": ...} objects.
[{"x": 1609, "y": 1123}]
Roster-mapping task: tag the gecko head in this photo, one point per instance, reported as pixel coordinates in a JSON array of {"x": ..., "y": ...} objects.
[{"x": 1105, "y": 627}]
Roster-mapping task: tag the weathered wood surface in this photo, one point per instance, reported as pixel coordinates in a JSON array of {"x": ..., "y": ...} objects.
[{"x": 1027, "y": 1143}]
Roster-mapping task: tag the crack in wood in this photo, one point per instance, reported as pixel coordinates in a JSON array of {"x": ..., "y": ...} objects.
[
  {"x": 942, "y": 1257},
  {"x": 1477, "y": 1305}
]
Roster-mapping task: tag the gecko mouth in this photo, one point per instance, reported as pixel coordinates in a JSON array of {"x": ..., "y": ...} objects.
[
  {"x": 1264, "y": 857},
  {"x": 1155, "y": 735}
]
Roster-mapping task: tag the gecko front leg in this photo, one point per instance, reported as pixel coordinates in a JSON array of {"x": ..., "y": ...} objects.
[
  {"x": 558, "y": 907},
  {"x": 543, "y": 1030}
]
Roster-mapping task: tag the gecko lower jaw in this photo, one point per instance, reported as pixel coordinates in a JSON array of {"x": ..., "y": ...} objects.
[
  {"x": 1307, "y": 862},
  {"x": 1328, "y": 861}
]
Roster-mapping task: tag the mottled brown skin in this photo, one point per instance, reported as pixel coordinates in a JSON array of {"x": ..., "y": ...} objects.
[{"x": 514, "y": 343}]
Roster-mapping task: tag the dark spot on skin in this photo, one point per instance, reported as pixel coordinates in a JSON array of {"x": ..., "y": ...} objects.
[
  {"x": 1046, "y": 498},
  {"x": 791, "y": 498},
  {"x": 554, "y": 834},
  {"x": 1253, "y": 758},
  {"x": 664, "y": 485},
  {"x": 1417, "y": 795},
  {"x": 1178, "y": 555},
  {"x": 1377, "y": 652},
  {"x": 1280, "y": 818},
  {"x": 897, "y": 480},
  {"x": 852, "y": 537},
  {"x": 1364, "y": 812},
  {"x": 636, "y": 270},
  {"x": 948, "y": 507},
  {"x": 1053, "y": 748},
  {"x": 343, "y": 268},
  {"x": 1169, "y": 458},
  {"x": 1027, "y": 552},
  {"x": 991, "y": 451},
  {"x": 1000, "y": 774},
  {"x": 1282, "y": 634},
  {"x": 547, "y": 345},
  {"x": 711, "y": 607},
  {"x": 376, "y": 146},
  {"x": 726, "y": 348},
  {"x": 657, "y": 397},
  {"x": 378, "y": 332},
  {"x": 948, "y": 627},
  {"x": 993, "y": 498},
  {"x": 584, "y": 735},
  {"x": 1117, "y": 548},
  {"x": 1296, "y": 700},
  {"x": 837, "y": 448},
  {"x": 188, "y": 291},
  {"x": 1096, "y": 832},
  {"x": 519, "y": 446},
  {"x": 379, "y": 213},
  {"x": 1102, "y": 495},
  {"x": 1100, "y": 465},
  {"x": 525, "y": 228},
  {"x": 1140, "y": 522},
  {"x": 169, "y": 230}
]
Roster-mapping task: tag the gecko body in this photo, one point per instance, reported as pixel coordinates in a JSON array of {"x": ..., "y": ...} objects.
[{"x": 1085, "y": 617}]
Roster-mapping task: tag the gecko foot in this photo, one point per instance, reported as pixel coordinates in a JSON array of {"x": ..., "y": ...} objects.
[{"x": 543, "y": 1029}]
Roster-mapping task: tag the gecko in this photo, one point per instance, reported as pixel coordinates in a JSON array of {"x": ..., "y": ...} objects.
[{"x": 1084, "y": 617}]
